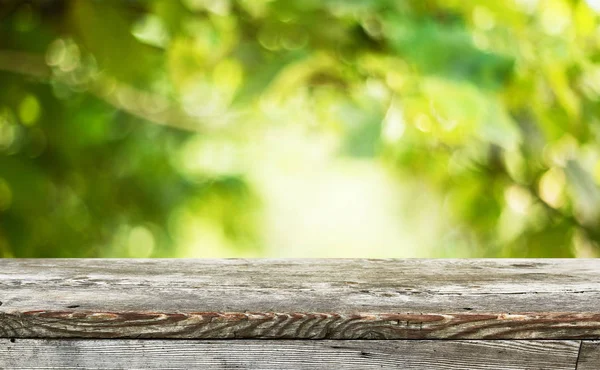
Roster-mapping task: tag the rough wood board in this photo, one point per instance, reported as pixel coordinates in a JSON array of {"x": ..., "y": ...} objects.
[
  {"x": 589, "y": 356},
  {"x": 256, "y": 354},
  {"x": 303, "y": 299}
]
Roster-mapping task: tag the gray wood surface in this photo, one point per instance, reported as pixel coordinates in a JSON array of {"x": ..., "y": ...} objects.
[
  {"x": 589, "y": 356},
  {"x": 302, "y": 299},
  {"x": 292, "y": 354}
]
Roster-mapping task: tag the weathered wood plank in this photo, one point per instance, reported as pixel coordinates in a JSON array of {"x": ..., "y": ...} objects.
[
  {"x": 303, "y": 299},
  {"x": 256, "y": 354},
  {"x": 589, "y": 356}
]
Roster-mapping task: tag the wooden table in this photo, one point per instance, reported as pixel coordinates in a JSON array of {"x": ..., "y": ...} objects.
[{"x": 292, "y": 314}]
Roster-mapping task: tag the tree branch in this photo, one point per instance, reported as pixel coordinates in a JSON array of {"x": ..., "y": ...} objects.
[{"x": 142, "y": 104}]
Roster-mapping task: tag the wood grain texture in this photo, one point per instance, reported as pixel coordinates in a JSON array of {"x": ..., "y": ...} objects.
[
  {"x": 256, "y": 354},
  {"x": 302, "y": 299},
  {"x": 589, "y": 356}
]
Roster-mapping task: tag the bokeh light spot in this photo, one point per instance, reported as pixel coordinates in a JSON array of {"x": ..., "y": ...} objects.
[
  {"x": 140, "y": 242},
  {"x": 29, "y": 110}
]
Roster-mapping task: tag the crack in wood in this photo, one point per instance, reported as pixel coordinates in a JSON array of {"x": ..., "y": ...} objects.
[{"x": 578, "y": 354}]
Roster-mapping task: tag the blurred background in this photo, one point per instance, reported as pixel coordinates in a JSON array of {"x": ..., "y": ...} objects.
[{"x": 305, "y": 128}]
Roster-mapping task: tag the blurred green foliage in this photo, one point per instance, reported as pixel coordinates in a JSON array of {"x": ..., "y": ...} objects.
[{"x": 138, "y": 128}]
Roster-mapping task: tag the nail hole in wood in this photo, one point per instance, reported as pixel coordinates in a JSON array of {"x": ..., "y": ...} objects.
[{"x": 73, "y": 306}]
